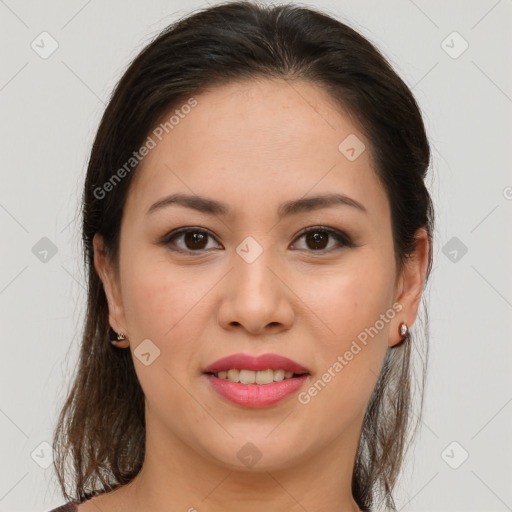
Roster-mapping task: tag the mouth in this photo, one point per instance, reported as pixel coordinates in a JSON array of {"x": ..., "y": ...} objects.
[{"x": 256, "y": 381}]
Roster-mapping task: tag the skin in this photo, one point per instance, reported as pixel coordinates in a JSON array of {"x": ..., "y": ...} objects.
[{"x": 254, "y": 145}]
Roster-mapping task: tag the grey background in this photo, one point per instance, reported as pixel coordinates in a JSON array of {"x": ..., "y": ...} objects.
[{"x": 50, "y": 111}]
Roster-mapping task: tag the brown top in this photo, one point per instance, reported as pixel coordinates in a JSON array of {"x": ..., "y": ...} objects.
[
  {"x": 68, "y": 507},
  {"x": 71, "y": 506}
]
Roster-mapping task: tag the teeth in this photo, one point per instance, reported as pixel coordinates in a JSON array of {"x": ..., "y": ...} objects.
[{"x": 254, "y": 377}]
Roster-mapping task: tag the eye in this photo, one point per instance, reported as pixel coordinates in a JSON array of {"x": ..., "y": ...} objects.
[
  {"x": 194, "y": 239},
  {"x": 318, "y": 236}
]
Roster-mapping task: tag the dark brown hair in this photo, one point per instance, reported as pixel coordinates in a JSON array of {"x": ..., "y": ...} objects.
[{"x": 101, "y": 427}]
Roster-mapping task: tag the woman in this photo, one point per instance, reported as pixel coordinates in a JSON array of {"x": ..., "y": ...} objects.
[{"x": 258, "y": 235}]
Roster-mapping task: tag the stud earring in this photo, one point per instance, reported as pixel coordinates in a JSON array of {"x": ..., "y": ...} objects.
[
  {"x": 116, "y": 337},
  {"x": 404, "y": 330}
]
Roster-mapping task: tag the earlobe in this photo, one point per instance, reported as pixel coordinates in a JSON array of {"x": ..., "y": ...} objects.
[
  {"x": 106, "y": 273},
  {"x": 410, "y": 286}
]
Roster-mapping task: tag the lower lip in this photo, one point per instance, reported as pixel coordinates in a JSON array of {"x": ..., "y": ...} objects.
[{"x": 256, "y": 396}]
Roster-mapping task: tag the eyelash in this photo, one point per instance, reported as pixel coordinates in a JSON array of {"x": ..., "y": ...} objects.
[{"x": 343, "y": 239}]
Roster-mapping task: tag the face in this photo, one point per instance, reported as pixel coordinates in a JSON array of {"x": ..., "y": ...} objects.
[{"x": 316, "y": 283}]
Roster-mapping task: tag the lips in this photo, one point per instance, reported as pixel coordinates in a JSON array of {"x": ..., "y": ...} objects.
[{"x": 263, "y": 362}]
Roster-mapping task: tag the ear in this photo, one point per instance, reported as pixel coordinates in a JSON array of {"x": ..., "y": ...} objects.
[
  {"x": 410, "y": 286},
  {"x": 111, "y": 286}
]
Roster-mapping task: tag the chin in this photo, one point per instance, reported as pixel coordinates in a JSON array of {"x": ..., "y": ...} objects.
[{"x": 248, "y": 453}]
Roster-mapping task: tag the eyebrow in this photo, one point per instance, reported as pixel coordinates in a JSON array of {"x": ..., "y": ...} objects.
[{"x": 288, "y": 208}]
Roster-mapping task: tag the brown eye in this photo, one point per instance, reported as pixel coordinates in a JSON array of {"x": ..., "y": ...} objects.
[
  {"x": 317, "y": 239},
  {"x": 193, "y": 239}
]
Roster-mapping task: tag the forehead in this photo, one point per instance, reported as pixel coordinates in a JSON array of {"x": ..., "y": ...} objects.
[{"x": 255, "y": 142}]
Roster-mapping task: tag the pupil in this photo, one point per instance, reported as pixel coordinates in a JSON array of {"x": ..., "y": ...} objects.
[{"x": 316, "y": 238}]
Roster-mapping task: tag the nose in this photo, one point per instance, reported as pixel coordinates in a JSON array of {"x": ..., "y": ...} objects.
[{"x": 256, "y": 296}]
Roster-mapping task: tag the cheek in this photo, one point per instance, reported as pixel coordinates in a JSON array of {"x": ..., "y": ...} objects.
[
  {"x": 349, "y": 298},
  {"x": 153, "y": 297},
  {"x": 153, "y": 302},
  {"x": 354, "y": 314},
  {"x": 164, "y": 304}
]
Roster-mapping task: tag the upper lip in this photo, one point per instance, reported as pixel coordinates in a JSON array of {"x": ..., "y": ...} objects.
[{"x": 255, "y": 363}]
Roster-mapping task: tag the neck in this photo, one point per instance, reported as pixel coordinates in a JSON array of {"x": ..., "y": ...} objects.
[{"x": 170, "y": 478}]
